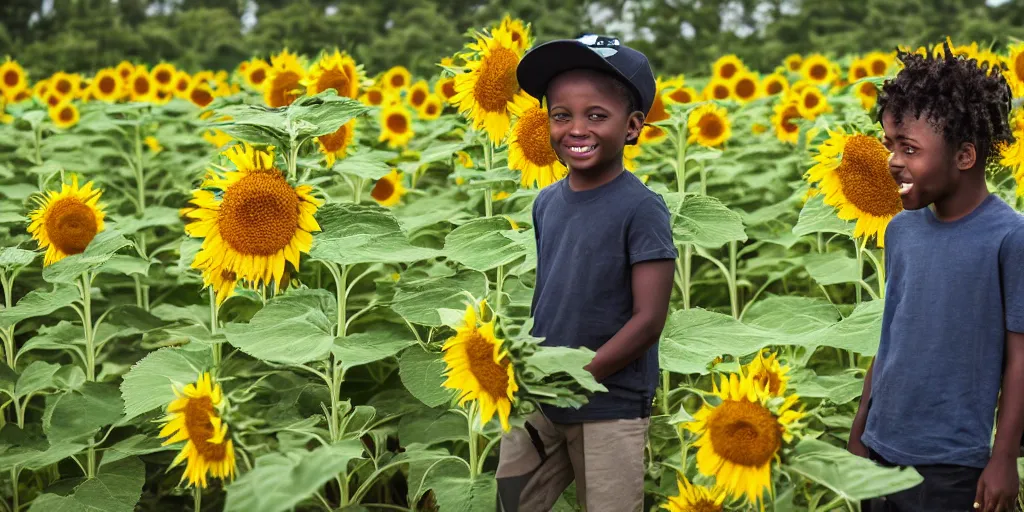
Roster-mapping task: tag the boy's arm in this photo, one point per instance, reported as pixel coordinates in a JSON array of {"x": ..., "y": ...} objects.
[
  {"x": 652, "y": 286},
  {"x": 855, "y": 446},
  {"x": 998, "y": 485}
]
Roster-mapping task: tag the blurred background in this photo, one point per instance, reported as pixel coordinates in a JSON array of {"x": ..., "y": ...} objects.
[{"x": 680, "y": 36}]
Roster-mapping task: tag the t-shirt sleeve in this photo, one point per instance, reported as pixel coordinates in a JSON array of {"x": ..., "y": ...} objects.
[
  {"x": 1011, "y": 254},
  {"x": 650, "y": 232}
]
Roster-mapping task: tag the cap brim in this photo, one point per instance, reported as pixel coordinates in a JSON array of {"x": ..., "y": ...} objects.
[{"x": 543, "y": 63}]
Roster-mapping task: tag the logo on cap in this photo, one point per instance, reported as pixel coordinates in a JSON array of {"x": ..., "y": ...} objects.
[{"x": 602, "y": 45}]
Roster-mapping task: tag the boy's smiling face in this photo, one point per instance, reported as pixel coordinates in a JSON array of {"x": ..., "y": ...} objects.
[
  {"x": 590, "y": 121},
  {"x": 924, "y": 165}
]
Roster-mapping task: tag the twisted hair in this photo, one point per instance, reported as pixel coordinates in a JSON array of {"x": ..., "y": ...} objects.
[{"x": 964, "y": 102}]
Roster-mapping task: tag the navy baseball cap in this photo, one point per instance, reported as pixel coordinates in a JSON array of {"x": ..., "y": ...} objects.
[{"x": 589, "y": 51}]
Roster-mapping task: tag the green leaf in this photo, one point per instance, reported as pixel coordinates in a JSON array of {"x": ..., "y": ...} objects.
[
  {"x": 551, "y": 360},
  {"x": 436, "y": 152},
  {"x": 465, "y": 495},
  {"x": 280, "y": 482},
  {"x": 851, "y": 477},
  {"x": 117, "y": 488},
  {"x": 832, "y": 268},
  {"x": 418, "y": 300},
  {"x": 8, "y": 380},
  {"x": 429, "y": 427},
  {"x": 792, "y": 314},
  {"x": 368, "y": 165},
  {"x": 12, "y": 257},
  {"x": 154, "y": 216},
  {"x": 63, "y": 336},
  {"x": 818, "y": 217},
  {"x": 479, "y": 244},
  {"x": 139, "y": 444},
  {"x": 363, "y": 234},
  {"x": 325, "y": 113},
  {"x": 150, "y": 382},
  {"x": 838, "y": 389},
  {"x": 292, "y": 329},
  {"x": 127, "y": 265},
  {"x": 37, "y": 456},
  {"x": 81, "y": 413},
  {"x": 38, "y": 303},
  {"x": 101, "y": 249},
  {"x": 428, "y": 466},
  {"x": 367, "y": 347},
  {"x": 35, "y": 378},
  {"x": 256, "y": 124},
  {"x": 704, "y": 221},
  {"x": 422, "y": 374},
  {"x": 860, "y": 332}
]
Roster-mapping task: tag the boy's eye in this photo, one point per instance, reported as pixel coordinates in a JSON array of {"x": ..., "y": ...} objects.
[
  {"x": 909, "y": 150},
  {"x": 597, "y": 117},
  {"x": 560, "y": 116}
]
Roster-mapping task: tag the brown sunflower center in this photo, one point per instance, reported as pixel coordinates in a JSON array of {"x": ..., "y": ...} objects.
[
  {"x": 774, "y": 87},
  {"x": 818, "y": 71},
  {"x": 859, "y": 72},
  {"x": 431, "y": 109},
  {"x": 397, "y": 123},
  {"x": 744, "y": 433},
  {"x": 868, "y": 89},
  {"x": 336, "y": 141},
  {"x": 681, "y": 95},
  {"x": 258, "y": 76},
  {"x": 163, "y": 76},
  {"x": 200, "y": 428},
  {"x": 765, "y": 377},
  {"x": 375, "y": 97},
  {"x": 492, "y": 376},
  {"x": 259, "y": 214},
  {"x": 53, "y": 100},
  {"x": 878, "y": 67},
  {"x": 141, "y": 85},
  {"x": 70, "y": 225},
  {"x": 11, "y": 78},
  {"x": 811, "y": 100},
  {"x": 448, "y": 88},
  {"x": 201, "y": 96},
  {"x": 658, "y": 112},
  {"x": 182, "y": 85},
  {"x": 63, "y": 86},
  {"x": 418, "y": 97},
  {"x": 1018, "y": 66},
  {"x": 125, "y": 72},
  {"x": 720, "y": 92},
  {"x": 703, "y": 505},
  {"x": 533, "y": 136},
  {"x": 497, "y": 84},
  {"x": 710, "y": 126},
  {"x": 397, "y": 80},
  {"x": 788, "y": 116},
  {"x": 865, "y": 178},
  {"x": 66, "y": 114},
  {"x": 746, "y": 88},
  {"x": 383, "y": 190},
  {"x": 334, "y": 78},
  {"x": 728, "y": 70},
  {"x": 107, "y": 85},
  {"x": 794, "y": 64},
  {"x": 285, "y": 89}
]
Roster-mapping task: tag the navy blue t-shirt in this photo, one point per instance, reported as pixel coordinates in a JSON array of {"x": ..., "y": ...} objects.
[
  {"x": 587, "y": 243},
  {"x": 954, "y": 290}
]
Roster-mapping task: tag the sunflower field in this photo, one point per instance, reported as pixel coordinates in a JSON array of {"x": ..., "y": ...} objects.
[{"x": 297, "y": 286}]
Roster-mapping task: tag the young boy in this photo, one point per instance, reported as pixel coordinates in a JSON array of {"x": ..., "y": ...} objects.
[
  {"x": 954, "y": 305},
  {"x": 605, "y": 262}
]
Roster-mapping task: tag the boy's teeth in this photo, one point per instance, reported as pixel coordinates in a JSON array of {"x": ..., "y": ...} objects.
[
  {"x": 905, "y": 188},
  {"x": 581, "y": 149}
]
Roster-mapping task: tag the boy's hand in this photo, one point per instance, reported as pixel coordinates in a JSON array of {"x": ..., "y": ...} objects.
[
  {"x": 856, "y": 447},
  {"x": 998, "y": 486}
]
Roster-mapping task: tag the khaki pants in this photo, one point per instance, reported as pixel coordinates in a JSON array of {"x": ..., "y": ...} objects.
[{"x": 605, "y": 458}]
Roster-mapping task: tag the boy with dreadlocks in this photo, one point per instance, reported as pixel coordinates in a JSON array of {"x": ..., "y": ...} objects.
[{"x": 953, "y": 324}]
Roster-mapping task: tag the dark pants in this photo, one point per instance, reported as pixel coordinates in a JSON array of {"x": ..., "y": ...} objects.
[{"x": 946, "y": 488}]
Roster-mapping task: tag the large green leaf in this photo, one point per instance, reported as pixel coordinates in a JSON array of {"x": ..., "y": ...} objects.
[
  {"x": 422, "y": 374},
  {"x": 457, "y": 494},
  {"x": 367, "y": 347},
  {"x": 436, "y": 152},
  {"x": 818, "y": 217},
  {"x": 551, "y": 360},
  {"x": 38, "y": 455},
  {"x": 849, "y": 476},
  {"x": 117, "y": 488},
  {"x": 832, "y": 268},
  {"x": 432, "y": 426},
  {"x": 101, "y": 249},
  {"x": 151, "y": 382},
  {"x": 792, "y": 314},
  {"x": 418, "y": 300},
  {"x": 12, "y": 257},
  {"x": 293, "y": 329},
  {"x": 154, "y": 216},
  {"x": 838, "y": 389},
  {"x": 139, "y": 444},
  {"x": 368, "y": 165},
  {"x": 860, "y": 332},
  {"x": 704, "y": 221},
  {"x": 127, "y": 265},
  {"x": 36, "y": 377},
  {"x": 281, "y": 481},
  {"x": 38, "y": 303},
  {"x": 76, "y": 414},
  {"x": 427, "y": 466},
  {"x": 363, "y": 234},
  {"x": 324, "y": 113},
  {"x": 480, "y": 245}
]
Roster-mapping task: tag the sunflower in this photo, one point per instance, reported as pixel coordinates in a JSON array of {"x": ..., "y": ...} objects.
[
  {"x": 255, "y": 72},
  {"x": 774, "y": 84},
  {"x": 629, "y": 156},
  {"x": 373, "y": 96},
  {"x": 878, "y": 63},
  {"x": 125, "y": 69},
  {"x": 740, "y": 437},
  {"x": 283, "y": 84},
  {"x": 769, "y": 374},
  {"x": 651, "y": 134},
  {"x": 182, "y": 83},
  {"x": 696, "y": 498},
  {"x": 785, "y": 129},
  {"x": 1012, "y": 155},
  {"x": 445, "y": 88},
  {"x": 141, "y": 86},
  {"x": 793, "y": 62},
  {"x": 395, "y": 126},
  {"x": 811, "y": 103},
  {"x": 64, "y": 115},
  {"x": 519, "y": 32},
  {"x": 396, "y": 79},
  {"x": 5, "y": 118},
  {"x": 726, "y": 67},
  {"x": 336, "y": 71},
  {"x": 718, "y": 89},
  {"x": 388, "y": 190},
  {"x": 195, "y": 417},
  {"x": 64, "y": 84},
  {"x": 335, "y": 145},
  {"x": 745, "y": 86},
  {"x": 52, "y": 99},
  {"x": 418, "y": 94},
  {"x": 867, "y": 93},
  {"x": 65, "y": 222},
  {"x": 153, "y": 144},
  {"x": 858, "y": 69},
  {"x": 464, "y": 159},
  {"x": 682, "y": 94},
  {"x": 163, "y": 76},
  {"x": 107, "y": 85},
  {"x": 199, "y": 94},
  {"x": 1015, "y": 69},
  {"x": 12, "y": 79},
  {"x": 489, "y": 86},
  {"x": 431, "y": 108},
  {"x": 529, "y": 147},
  {"x": 853, "y": 173},
  {"x": 252, "y": 220},
  {"x": 478, "y": 369},
  {"x": 709, "y": 126},
  {"x": 818, "y": 69}
]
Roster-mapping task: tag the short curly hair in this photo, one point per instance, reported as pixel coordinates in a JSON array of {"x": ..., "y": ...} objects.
[{"x": 964, "y": 102}]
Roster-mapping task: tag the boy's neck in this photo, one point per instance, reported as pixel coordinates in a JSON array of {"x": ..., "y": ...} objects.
[
  {"x": 973, "y": 191},
  {"x": 580, "y": 181}
]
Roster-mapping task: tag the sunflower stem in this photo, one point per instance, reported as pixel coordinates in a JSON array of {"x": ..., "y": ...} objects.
[
  {"x": 473, "y": 463},
  {"x": 681, "y": 159},
  {"x": 488, "y": 162},
  {"x": 666, "y": 382},
  {"x": 498, "y": 286},
  {"x": 860, "y": 267},
  {"x": 734, "y": 300},
  {"x": 293, "y": 160},
  {"x": 687, "y": 270},
  {"x": 140, "y": 176},
  {"x": 90, "y": 465},
  {"x": 488, "y": 203},
  {"x": 14, "y": 484},
  {"x": 197, "y": 498},
  {"x": 90, "y": 349},
  {"x": 881, "y": 272},
  {"x": 216, "y": 348},
  {"x": 357, "y": 191}
]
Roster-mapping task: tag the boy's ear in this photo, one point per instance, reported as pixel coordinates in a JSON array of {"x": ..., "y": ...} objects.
[
  {"x": 635, "y": 124},
  {"x": 966, "y": 156}
]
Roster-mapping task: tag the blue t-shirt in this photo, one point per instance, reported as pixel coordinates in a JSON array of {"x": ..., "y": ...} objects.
[
  {"x": 954, "y": 290},
  {"x": 587, "y": 243}
]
